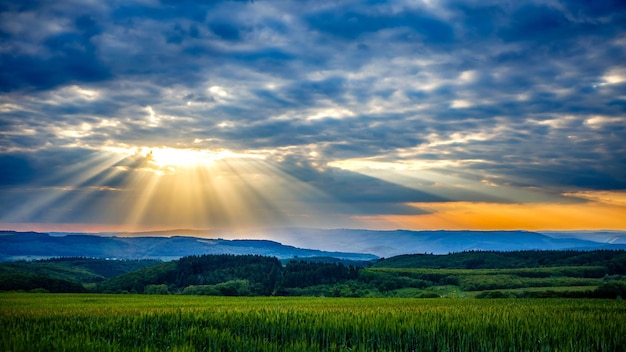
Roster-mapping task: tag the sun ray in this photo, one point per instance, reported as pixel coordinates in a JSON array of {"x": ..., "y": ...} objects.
[
  {"x": 140, "y": 189},
  {"x": 163, "y": 187},
  {"x": 458, "y": 182},
  {"x": 51, "y": 194}
]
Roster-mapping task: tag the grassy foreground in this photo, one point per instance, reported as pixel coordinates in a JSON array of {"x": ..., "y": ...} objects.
[{"x": 90, "y": 322}]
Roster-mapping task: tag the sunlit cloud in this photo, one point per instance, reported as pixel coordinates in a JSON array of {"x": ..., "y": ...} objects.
[
  {"x": 613, "y": 198},
  {"x": 601, "y": 121},
  {"x": 331, "y": 113},
  {"x": 615, "y": 76}
]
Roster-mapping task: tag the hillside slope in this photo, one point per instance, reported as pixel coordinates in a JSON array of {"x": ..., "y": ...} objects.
[{"x": 32, "y": 245}]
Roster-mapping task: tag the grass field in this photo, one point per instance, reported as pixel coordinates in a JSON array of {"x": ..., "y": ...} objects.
[{"x": 90, "y": 322}]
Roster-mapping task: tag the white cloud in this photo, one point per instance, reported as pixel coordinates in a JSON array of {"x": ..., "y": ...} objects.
[
  {"x": 335, "y": 113},
  {"x": 600, "y": 121}
]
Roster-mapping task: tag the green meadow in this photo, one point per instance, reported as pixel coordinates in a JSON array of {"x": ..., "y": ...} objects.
[{"x": 98, "y": 322}]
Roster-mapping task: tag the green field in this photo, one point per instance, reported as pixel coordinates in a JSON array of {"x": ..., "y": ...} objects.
[{"x": 95, "y": 322}]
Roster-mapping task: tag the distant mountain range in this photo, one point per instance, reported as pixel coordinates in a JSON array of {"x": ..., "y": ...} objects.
[
  {"x": 391, "y": 243},
  {"x": 346, "y": 244},
  {"x": 33, "y": 245}
]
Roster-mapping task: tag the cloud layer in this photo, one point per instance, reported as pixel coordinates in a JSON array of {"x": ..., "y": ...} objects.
[{"x": 376, "y": 105}]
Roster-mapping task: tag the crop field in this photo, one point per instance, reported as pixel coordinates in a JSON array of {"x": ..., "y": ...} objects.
[{"x": 90, "y": 322}]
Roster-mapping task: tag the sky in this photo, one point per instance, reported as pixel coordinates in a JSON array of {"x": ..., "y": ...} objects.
[{"x": 146, "y": 114}]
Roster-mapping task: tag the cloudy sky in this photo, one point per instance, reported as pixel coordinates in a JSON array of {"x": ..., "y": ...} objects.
[{"x": 415, "y": 114}]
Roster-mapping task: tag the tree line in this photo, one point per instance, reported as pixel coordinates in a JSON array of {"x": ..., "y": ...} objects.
[{"x": 254, "y": 275}]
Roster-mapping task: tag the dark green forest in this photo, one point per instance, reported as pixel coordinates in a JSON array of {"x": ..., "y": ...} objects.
[
  {"x": 522, "y": 274},
  {"x": 614, "y": 261}
]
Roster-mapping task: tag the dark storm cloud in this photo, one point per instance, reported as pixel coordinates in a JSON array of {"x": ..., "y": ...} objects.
[
  {"x": 15, "y": 170},
  {"x": 353, "y": 21},
  {"x": 528, "y": 95},
  {"x": 63, "y": 57},
  {"x": 306, "y": 93}
]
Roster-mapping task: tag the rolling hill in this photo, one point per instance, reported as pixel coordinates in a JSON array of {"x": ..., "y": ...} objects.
[{"x": 33, "y": 245}]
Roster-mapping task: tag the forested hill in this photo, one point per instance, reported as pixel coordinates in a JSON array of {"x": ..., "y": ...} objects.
[
  {"x": 612, "y": 259},
  {"x": 539, "y": 273},
  {"x": 228, "y": 275},
  {"x": 65, "y": 274}
]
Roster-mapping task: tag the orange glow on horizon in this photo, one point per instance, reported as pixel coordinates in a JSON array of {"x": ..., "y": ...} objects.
[
  {"x": 442, "y": 216},
  {"x": 593, "y": 215}
]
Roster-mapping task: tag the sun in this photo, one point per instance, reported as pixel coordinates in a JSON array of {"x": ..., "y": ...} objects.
[
  {"x": 165, "y": 156},
  {"x": 169, "y": 158}
]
